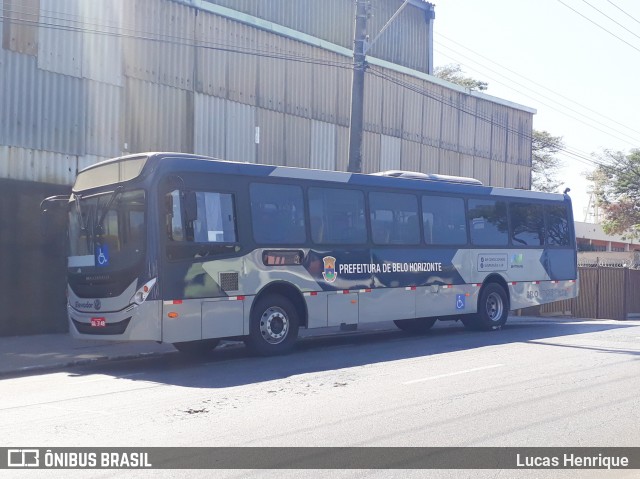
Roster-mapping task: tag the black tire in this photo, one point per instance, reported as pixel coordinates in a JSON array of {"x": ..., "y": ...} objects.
[
  {"x": 274, "y": 326},
  {"x": 493, "y": 309},
  {"x": 196, "y": 348},
  {"x": 416, "y": 325}
]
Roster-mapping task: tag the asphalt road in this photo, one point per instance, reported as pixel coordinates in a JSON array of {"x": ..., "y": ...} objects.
[{"x": 544, "y": 382}]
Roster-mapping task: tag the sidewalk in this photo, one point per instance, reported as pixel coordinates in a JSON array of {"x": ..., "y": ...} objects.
[{"x": 26, "y": 354}]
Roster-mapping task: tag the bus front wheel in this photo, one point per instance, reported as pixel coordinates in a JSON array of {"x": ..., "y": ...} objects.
[
  {"x": 196, "y": 348},
  {"x": 274, "y": 326},
  {"x": 493, "y": 309},
  {"x": 415, "y": 325}
]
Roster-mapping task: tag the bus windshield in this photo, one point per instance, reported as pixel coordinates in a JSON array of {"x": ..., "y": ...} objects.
[{"x": 107, "y": 230}]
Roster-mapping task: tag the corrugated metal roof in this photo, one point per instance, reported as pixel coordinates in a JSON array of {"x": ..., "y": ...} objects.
[
  {"x": 342, "y": 147},
  {"x": 240, "y": 132},
  {"x": 102, "y": 52},
  {"x": 297, "y": 141},
  {"x": 412, "y": 111},
  {"x": 44, "y": 110},
  {"x": 466, "y": 166},
  {"x": 213, "y": 63},
  {"x": 20, "y": 33},
  {"x": 209, "y": 126},
  {"x": 390, "y": 151},
  {"x": 271, "y": 73},
  {"x": 271, "y": 149},
  {"x": 411, "y": 159},
  {"x": 60, "y": 37},
  {"x": 325, "y": 89},
  {"x": 370, "y": 152},
  {"x": 430, "y": 159},
  {"x": 243, "y": 68},
  {"x": 482, "y": 169},
  {"x": 37, "y": 165},
  {"x": 104, "y": 113},
  {"x": 498, "y": 173},
  {"x": 432, "y": 116},
  {"x": 392, "y": 103},
  {"x": 298, "y": 81},
  {"x": 372, "y": 116},
  {"x": 157, "y": 117},
  {"x": 323, "y": 145}
]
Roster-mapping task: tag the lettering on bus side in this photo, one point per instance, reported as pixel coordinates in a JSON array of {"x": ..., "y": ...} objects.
[
  {"x": 332, "y": 271},
  {"x": 492, "y": 262}
]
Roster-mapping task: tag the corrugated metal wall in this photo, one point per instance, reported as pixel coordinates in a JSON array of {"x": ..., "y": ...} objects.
[
  {"x": 97, "y": 79},
  {"x": 404, "y": 42}
]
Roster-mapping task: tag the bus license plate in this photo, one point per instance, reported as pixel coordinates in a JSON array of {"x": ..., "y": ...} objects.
[{"x": 98, "y": 322}]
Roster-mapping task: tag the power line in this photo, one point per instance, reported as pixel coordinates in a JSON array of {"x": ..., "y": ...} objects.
[
  {"x": 634, "y": 141},
  {"x": 614, "y": 21},
  {"x": 599, "y": 26},
  {"x": 631, "y": 17},
  {"x": 535, "y": 83},
  {"x": 167, "y": 39},
  {"x": 181, "y": 41},
  {"x": 475, "y": 114}
]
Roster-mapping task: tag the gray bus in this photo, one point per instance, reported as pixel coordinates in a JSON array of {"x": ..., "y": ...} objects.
[{"x": 189, "y": 250}]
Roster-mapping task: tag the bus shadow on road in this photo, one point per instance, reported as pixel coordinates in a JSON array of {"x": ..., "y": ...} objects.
[{"x": 232, "y": 365}]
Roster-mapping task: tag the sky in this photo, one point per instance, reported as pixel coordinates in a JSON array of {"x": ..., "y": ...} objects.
[{"x": 582, "y": 75}]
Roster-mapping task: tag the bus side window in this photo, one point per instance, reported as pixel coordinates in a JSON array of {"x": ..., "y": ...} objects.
[
  {"x": 317, "y": 229},
  {"x": 443, "y": 220},
  {"x": 277, "y": 213},
  {"x": 428, "y": 227},
  {"x": 175, "y": 230}
]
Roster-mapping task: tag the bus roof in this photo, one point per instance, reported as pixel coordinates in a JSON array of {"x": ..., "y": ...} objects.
[{"x": 185, "y": 162}]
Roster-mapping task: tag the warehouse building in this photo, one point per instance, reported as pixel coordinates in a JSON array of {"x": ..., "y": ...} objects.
[{"x": 257, "y": 81}]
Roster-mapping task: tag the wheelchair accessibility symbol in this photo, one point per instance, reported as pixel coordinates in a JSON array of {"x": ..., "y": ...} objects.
[
  {"x": 102, "y": 255},
  {"x": 460, "y": 301}
]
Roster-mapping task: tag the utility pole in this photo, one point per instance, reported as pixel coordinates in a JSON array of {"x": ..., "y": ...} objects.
[
  {"x": 357, "y": 87},
  {"x": 360, "y": 48}
]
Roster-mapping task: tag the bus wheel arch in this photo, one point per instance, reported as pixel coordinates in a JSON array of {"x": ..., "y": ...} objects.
[
  {"x": 493, "y": 305},
  {"x": 290, "y": 292},
  {"x": 275, "y": 318}
]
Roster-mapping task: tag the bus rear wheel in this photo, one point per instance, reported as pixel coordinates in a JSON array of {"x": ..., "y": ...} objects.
[
  {"x": 493, "y": 309},
  {"x": 415, "y": 325},
  {"x": 196, "y": 348},
  {"x": 274, "y": 326}
]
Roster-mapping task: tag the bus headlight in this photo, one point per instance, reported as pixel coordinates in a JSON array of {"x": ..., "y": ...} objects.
[{"x": 143, "y": 292}]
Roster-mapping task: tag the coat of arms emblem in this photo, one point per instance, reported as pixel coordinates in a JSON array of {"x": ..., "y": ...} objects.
[{"x": 329, "y": 273}]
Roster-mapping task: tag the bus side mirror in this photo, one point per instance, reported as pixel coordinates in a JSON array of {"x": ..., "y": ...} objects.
[
  {"x": 55, "y": 203},
  {"x": 190, "y": 206}
]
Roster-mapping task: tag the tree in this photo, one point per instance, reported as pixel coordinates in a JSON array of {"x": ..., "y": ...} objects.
[
  {"x": 545, "y": 165},
  {"x": 454, "y": 74},
  {"x": 616, "y": 186}
]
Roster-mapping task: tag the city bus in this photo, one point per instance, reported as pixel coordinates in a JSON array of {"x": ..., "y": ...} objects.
[{"x": 190, "y": 250}]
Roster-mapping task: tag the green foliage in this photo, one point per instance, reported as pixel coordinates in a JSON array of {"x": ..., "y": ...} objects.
[
  {"x": 454, "y": 74},
  {"x": 616, "y": 185},
  {"x": 545, "y": 165}
]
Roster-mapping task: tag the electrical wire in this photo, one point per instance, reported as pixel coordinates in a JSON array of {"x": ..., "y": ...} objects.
[
  {"x": 614, "y": 21},
  {"x": 476, "y": 54},
  {"x": 630, "y": 140},
  {"x": 120, "y": 32},
  {"x": 631, "y": 17},
  {"x": 599, "y": 26}
]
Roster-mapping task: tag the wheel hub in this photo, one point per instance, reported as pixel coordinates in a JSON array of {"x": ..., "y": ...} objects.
[{"x": 274, "y": 325}]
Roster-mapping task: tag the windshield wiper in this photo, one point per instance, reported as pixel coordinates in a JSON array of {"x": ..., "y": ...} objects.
[
  {"x": 83, "y": 225},
  {"x": 105, "y": 209}
]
